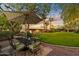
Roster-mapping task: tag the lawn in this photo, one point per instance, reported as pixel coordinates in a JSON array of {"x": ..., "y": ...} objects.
[{"x": 60, "y": 38}]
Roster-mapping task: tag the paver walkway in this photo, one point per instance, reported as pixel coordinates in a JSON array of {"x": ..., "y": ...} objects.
[
  {"x": 56, "y": 50},
  {"x": 52, "y": 50}
]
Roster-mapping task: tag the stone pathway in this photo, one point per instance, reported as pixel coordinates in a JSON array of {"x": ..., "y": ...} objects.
[
  {"x": 51, "y": 50},
  {"x": 4, "y": 43},
  {"x": 55, "y": 50}
]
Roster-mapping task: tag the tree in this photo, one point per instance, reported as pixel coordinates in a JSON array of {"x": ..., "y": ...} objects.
[
  {"x": 40, "y": 9},
  {"x": 69, "y": 13},
  {"x": 12, "y": 26},
  {"x": 45, "y": 10},
  {"x": 50, "y": 20}
]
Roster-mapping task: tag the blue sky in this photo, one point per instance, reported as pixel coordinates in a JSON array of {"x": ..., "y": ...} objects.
[
  {"x": 56, "y": 14},
  {"x": 55, "y": 10}
]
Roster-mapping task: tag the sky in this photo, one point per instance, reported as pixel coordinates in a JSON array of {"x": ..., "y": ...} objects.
[
  {"x": 56, "y": 14},
  {"x": 55, "y": 10}
]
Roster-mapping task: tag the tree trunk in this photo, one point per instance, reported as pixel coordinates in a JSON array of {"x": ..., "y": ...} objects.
[
  {"x": 28, "y": 26},
  {"x": 45, "y": 27},
  {"x": 50, "y": 25}
]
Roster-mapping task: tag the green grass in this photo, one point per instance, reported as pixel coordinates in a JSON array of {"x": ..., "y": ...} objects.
[{"x": 60, "y": 38}]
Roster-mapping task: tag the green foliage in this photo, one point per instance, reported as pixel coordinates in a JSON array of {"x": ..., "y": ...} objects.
[
  {"x": 40, "y": 9},
  {"x": 70, "y": 12},
  {"x": 17, "y": 6},
  {"x": 60, "y": 38},
  {"x": 10, "y": 25},
  {"x": 3, "y": 22},
  {"x": 31, "y": 7},
  {"x": 44, "y": 10},
  {"x": 4, "y": 35}
]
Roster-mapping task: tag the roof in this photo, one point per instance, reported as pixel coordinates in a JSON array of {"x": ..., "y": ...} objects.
[{"x": 32, "y": 18}]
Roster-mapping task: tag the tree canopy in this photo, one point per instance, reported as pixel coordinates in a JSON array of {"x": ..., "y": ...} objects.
[
  {"x": 70, "y": 12},
  {"x": 41, "y": 9}
]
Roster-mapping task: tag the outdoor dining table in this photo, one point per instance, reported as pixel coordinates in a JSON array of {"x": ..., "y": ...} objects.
[
  {"x": 27, "y": 42},
  {"x": 31, "y": 44}
]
